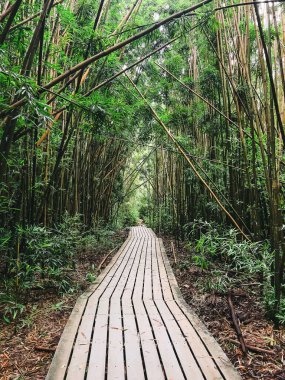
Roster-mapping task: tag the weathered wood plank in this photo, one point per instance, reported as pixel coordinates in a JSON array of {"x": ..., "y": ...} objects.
[
  {"x": 99, "y": 345},
  {"x": 153, "y": 366},
  {"x": 78, "y": 363},
  {"x": 214, "y": 351},
  {"x": 206, "y": 363},
  {"x": 116, "y": 367},
  {"x": 134, "y": 359},
  {"x": 187, "y": 360},
  {"x": 134, "y": 324},
  {"x": 61, "y": 358},
  {"x": 168, "y": 355}
]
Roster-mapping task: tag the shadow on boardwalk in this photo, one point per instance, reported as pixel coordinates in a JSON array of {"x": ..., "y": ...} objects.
[{"x": 134, "y": 324}]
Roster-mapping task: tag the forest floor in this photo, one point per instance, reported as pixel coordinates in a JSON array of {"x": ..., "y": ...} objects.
[
  {"x": 27, "y": 345},
  {"x": 213, "y": 309}
]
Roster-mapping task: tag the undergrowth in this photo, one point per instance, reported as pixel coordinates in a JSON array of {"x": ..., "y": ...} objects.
[
  {"x": 231, "y": 261},
  {"x": 41, "y": 258}
]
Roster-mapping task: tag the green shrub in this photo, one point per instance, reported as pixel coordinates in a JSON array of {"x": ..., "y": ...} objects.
[
  {"x": 39, "y": 260},
  {"x": 10, "y": 308},
  {"x": 219, "y": 282},
  {"x": 215, "y": 244}
]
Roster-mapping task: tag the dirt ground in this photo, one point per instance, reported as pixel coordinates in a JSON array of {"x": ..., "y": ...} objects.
[
  {"x": 265, "y": 359},
  {"x": 27, "y": 346}
]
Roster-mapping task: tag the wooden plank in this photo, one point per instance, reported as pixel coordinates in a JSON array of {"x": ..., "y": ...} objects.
[
  {"x": 136, "y": 232},
  {"x": 116, "y": 366},
  {"x": 61, "y": 358},
  {"x": 165, "y": 291},
  {"x": 210, "y": 344},
  {"x": 151, "y": 233},
  {"x": 206, "y": 363},
  {"x": 78, "y": 362},
  {"x": 168, "y": 356},
  {"x": 150, "y": 354},
  {"x": 134, "y": 360},
  {"x": 187, "y": 361},
  {"x": 97, "y": 359}
]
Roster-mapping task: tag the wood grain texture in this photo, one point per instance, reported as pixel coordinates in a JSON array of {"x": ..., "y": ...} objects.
[{"x": 134, "y": 324}]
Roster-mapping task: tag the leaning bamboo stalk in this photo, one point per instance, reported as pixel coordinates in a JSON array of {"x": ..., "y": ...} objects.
[
  {"x": 12, "y": 15},
  {"x": 113, "y": 77},
  {"x": 30, "y": 18},
  {"x": 178, "y": 146},
  {"x": 203, "y": 99},
  {"x": 121, "y": 44},
  {"x": 6, "y": 11},
  {"x": 106, "y": 257},
  {"x": 125, "y": 19},
  {"x": 173, "y": 252},
  {"x": 236, "y": 325}
]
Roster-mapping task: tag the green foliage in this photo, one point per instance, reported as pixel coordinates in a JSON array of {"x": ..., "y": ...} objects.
[
  {"x": 184, "y": 264},
  {"x": 218, "y": 282},
  {"x": 270, "y": 304},
  {"x": 41, "y": 250},
  {"x": 10, "y": 308},
  {"x": 43, "y": 255},
  {"x": 209, "y": 82},
  {"x": 58, "y": 306},
  {"x": 28, "y": 319},
  {"x": 281, "y": 314},
  {"x": 90, "y": 277},
  {"x": 70, "y": 232},
  {"x": 129, "y": 215},
  {"x": 214, "y": 244},
  {"x": 201, "y": 261},
  {"x": 44, "y": 260},
  {"x": 162, "y": 218}
]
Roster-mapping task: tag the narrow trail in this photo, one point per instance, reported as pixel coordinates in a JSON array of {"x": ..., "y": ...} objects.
[{"x": 134, "y": 324}]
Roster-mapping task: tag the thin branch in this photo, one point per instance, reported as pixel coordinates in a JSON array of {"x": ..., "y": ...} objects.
[
  {"x": 182, "y": 152},
  {"x": 32, "y": 17}
]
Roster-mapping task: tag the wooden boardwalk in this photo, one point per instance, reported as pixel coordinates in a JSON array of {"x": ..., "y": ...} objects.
[{"x": 134, "y": 324}]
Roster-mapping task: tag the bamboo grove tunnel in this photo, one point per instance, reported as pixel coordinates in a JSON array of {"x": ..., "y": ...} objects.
[{"x": 114, "y": 113}]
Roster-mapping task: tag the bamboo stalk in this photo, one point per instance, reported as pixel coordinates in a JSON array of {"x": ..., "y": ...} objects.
[{"x": 172, "y": 138}]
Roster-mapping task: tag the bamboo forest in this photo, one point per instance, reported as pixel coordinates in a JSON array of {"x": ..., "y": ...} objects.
[{"x": 142, "y": 189}]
